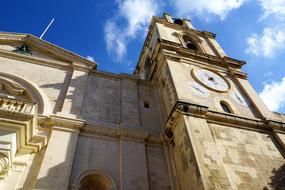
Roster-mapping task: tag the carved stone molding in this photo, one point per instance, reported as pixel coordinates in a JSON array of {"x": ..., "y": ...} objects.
[
  {"x": 4, "y": 165},
  {"x": 185, "y": 108},
  {"x": 73, "y": 60},
  {"x": 134, "y": 134}
]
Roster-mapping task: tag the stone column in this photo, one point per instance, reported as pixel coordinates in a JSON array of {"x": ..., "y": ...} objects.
[{"x": 58, "y": 160}]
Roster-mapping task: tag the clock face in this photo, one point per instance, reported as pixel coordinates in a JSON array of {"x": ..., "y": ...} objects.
[
  {"x": 211, "y": 80},
  {"x": 198, "y": 89}
]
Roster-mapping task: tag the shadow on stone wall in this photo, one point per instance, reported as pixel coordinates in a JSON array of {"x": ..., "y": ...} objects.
[
  {"x": 277, "y": 180},
  {"x": 62, "y": 87}
]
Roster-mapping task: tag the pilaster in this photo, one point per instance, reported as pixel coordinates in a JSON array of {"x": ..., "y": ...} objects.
[
  {"x": 130, "y": 105},
  {"x": 56, "y": 166},
  {"x": 134, "y": 174}
]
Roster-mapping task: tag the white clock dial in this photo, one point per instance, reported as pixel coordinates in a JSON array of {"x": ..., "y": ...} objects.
[
  {"x": 198, "y": 89},
  {"x": 238, "y": 98},
  {"x": 211, "y": 80}
]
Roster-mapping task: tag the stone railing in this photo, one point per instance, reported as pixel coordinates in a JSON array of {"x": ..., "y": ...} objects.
[{"x": 15, "y": 105}]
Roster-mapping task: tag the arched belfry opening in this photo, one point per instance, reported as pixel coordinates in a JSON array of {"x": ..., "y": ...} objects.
[
  {"x": 178, "y": 21},
  {"x": 189, "y": 42}
]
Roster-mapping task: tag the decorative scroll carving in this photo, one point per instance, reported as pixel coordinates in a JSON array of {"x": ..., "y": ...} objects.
[
  {"x": 4, "y": 164},
  {"x": 12, "y": 87}
]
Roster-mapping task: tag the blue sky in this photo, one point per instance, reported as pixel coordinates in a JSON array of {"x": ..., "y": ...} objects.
[{"x": 112, "y": 32}]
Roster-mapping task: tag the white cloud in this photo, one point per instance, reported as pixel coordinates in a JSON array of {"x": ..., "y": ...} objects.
[
  {"x": 90, "y": 58},
  {"x": 114, "y": 39},
  {"x": 132, "y": 19},
  {"x": 273, "y": 95},
  {"x": 206, "y": 8},
  {"x": 138, "y": 13},
  {"x": 273, "y": 7},
  {"x": 271, "y": 41}
]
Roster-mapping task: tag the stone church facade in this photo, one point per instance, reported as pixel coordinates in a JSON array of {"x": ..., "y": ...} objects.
[{"x": 187, "y": 118}]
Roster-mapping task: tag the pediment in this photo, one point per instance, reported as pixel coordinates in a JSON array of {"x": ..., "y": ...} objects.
[
  {"x": 32, "y": 52},
  {"x": 30, "y": 47}
]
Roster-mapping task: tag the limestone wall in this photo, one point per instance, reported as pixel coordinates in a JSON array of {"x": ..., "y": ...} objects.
[
  {"x": 226, "y": 157},
  {"x": 102, "y": 101},
  {"x": 159, "y": 177},
  {"x": 131, "y": 164},
  {"x": 150, "y": 116},
  {"x": 252, "y": 159},
  {"x": 53, "y": 81},
  {"x": 96, "y": 154},
  {"x": 185, "y": 160},
  {"x": 120, "y": 100}
]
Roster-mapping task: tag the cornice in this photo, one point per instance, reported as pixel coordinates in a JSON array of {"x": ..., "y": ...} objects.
[
  {"x": 123, "y": 133},
  {"x": 34, "y": 41},
  {"x": 98, "y": 130},
  {"x": 234, "y": 63},
  {"x": 36, "y": 60},
  {"x": 191, "y": 109},
  {"x": 277, "y": 125},
  {"x": 61, "y": 122},
  {"x": 11, "y": 37},
  {"x": 120, "y": 76},
  {"x": 238, "y": 74},
  {"x": 225, "y": 62},
  {"x": 181, "y": 27},
  {"x": 77, "y": 61}
]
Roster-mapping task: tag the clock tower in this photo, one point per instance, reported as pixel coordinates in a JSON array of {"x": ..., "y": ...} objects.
[{"x": 218, "y": 132}]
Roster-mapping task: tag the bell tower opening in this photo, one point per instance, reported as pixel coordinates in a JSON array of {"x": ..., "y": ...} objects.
[{"x": 190, "y": 44}]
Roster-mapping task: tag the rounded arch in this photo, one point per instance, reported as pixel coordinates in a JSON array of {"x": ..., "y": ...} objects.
[
  {"x": 226, "y": 107},
  {"x": 190, "y": 40},
  {"x": 94, "y": 179},
  {"x": 18, "y": 85},
  {"x": 192, "y": 35}
]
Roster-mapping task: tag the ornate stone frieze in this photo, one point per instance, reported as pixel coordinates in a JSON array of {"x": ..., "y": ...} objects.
[{"x": 14, "y": 105}]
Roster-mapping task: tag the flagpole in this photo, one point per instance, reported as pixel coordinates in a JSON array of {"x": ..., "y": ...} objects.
[{"x": 47, "y": 28}]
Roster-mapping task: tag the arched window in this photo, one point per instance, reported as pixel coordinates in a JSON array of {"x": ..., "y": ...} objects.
[
  {"x": 225, "y": 107},
  {"x": 96, "y": 181},
  {"x": 189, "y": 42}
]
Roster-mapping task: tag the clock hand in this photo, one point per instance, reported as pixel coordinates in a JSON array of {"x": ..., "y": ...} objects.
[{"x": 210, "y": 78}]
